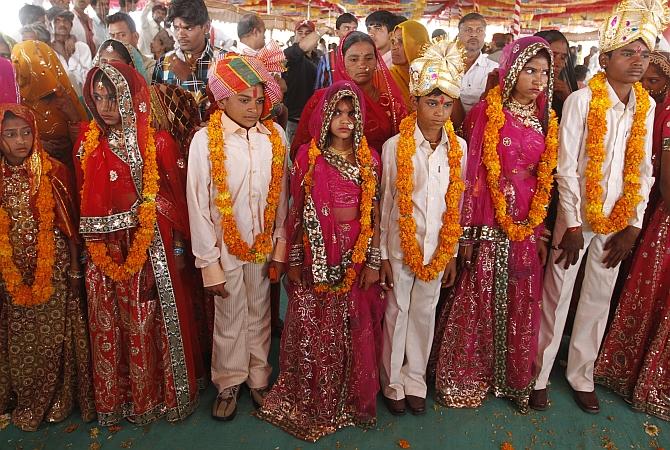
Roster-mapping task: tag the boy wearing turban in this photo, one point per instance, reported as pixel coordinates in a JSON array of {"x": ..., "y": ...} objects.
[
  {"x": 237, "y": 200},
  {"x": 420, "y": 177},
  {"x": 604, "y": 177}
]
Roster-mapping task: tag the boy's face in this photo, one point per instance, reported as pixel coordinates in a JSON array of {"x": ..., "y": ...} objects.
[
  {"x": 628, "y": 63},
  {"x": 17, "y": 140},
  {"x": 245, "y": 108},
  {"x": 433, "y": 110},
  {"x": 380, "y": 35}
]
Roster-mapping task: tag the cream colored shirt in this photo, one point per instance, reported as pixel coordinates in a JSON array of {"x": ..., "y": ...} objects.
[
  {"x": 248, "y": 167},
  {"x": 572, "y": 157},
  {"x": 474, "y": 81},
  {"x": 431, "y": 180}
]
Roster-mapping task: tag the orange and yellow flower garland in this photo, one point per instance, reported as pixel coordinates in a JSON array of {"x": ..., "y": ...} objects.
[
  {"x": 137, "y": 254},
  {"x": 368, "y": 188},
  {"x": 624, "y": 208},
  {"x": 42, "y": 288},
  {"x": 451, "y": 229},
  {"x": 517, "y": 231},
  {"x": 262, "y": 245}
]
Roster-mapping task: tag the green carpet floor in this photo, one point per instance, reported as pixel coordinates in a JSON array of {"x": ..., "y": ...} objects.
[{"x": 563, "y": 426}]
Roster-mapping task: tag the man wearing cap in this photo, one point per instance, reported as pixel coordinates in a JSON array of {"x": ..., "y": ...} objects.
[
  {"x": 75, "y": 56},
  {"x": 301, "y": 59},
  {"x": 237, "y": 176},
  {"x": 604, "y": 177},
  {"x": 412, "y": 293}
]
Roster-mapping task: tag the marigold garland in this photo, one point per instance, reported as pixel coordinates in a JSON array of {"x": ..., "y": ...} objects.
[
  {"x": 450, "y": 230},
  {"x": 262, "y": 245},
  {"x": 137, "y": 254},
  {"x": 368, "y": 188},
  {"x": 517, "y": 231},
  {"x": 42, "y": 288},
  {"x": 624, "y": 208}
]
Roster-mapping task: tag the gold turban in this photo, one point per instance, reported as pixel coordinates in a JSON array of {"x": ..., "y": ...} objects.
[
  {"x": 632, "y": 20},
  {"x": 440, "y": 66}
]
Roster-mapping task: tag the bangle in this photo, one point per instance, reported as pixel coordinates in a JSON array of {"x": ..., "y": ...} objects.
[
  {"x": 296, "y": 255},
  {"x": 75, "y": 275},
  {"x": 374, "y": 258},
  {"x": 178, "y": 251},
  {"x": 178, "y": 244}
]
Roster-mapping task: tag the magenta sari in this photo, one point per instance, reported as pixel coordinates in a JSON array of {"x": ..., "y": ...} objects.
[
  {"x": 10, "y": 90},
  {"x": 487, "y": 333},
  {"x": 330, "y": 345},
  {"x": 635, "y": 357}
]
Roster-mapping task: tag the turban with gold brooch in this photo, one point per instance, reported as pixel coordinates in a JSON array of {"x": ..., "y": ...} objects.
[
  {"x": 632, "y": 20},
  {"x": 440, "y": 66}
]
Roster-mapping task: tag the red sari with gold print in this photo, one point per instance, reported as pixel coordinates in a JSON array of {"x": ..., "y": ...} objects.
[{"x": 146, "y": 359}]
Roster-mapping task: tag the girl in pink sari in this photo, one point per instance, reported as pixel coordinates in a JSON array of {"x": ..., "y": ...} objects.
[
  {"x": 358, "y": 61},
  {"x": 331, "y": 340},
  {"x": 488, "y": 332}
]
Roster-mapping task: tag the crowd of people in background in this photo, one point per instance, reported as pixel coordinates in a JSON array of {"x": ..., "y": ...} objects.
[{"x": 435, "y": 208}]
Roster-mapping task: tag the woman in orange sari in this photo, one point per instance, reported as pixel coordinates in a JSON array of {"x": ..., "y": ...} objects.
[
  {"x": 46, "y": 89},
  {"x": 45, "y": 366},
  {"x": 407, "y": 42}
]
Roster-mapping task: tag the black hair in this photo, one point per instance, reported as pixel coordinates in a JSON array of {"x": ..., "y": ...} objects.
[
  {"x": 382, "y": 17},
  {"x": 397, "y": 20},
  {"x": 552, "y": 36},
  {"x": 101, "y": 77},
  {"x": 193, "y": 12},
  {"x": 120, "y": 49},
  {"x": 472, "y": 16},
  {"x": 438, "y": 32},
  {"x": 159, "y": 7},
  {"x": 122, "y": 17},
  {"x": 499, "y": 40},
  {"x": 247, "y": 24},
  {"x": 29, "y": 14},
  {"x": 345, "y": 18},
  {"x": 580, "y": 72},
  {"x": 355, "y": 37}
]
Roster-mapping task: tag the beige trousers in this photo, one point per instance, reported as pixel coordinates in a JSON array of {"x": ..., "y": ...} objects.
[
  {"x": 242, "y": 329},
  {"x": 409, "y": 325},
  {"x": 591, "y": 315}
]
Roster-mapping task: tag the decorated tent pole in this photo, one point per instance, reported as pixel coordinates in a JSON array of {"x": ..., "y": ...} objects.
[{"x": 516, "y": 25}]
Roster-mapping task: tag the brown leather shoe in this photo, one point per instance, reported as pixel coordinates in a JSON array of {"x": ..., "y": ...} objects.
[
  {"x": 225, "y": 404},
  {"x": 538, "y": 400},
  {"x": 416, "y": 405},
  {"x": 588, "y": 401},
  {"x": 395, "y": 407}
]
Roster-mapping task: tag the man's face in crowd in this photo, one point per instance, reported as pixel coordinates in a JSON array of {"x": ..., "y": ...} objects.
[{"x": 471, "y": 34}]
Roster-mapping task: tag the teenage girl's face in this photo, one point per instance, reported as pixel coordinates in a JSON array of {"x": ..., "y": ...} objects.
[
  {"x": 17, "y": 140},
  {"x": 106, "y": 105},
  {"x": 653, "y": 80},
  {"x": 532, "y": 80},
  {"x": 344, "y": 119}
]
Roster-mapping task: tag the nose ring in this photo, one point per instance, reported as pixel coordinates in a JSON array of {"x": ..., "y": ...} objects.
[
  {"x": 350, "y": 126},
  {"x": 367, "y": 69}
]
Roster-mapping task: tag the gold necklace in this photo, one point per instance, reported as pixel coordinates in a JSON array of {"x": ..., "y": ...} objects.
[{"x": 342, "y": 153}]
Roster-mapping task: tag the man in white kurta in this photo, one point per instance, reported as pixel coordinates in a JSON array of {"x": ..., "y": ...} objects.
[
  {"x": 625, "y": 58},
  {"x": 411, "y": 302},
  {"x": 241, "y": 340},
  {"x": 471, "y": 34}
]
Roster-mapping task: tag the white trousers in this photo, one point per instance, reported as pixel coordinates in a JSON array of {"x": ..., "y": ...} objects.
[
  {"x": 409, "y": 325},
  {"x": 591, "y": 315},
  {"x": 242, "y": 329}
]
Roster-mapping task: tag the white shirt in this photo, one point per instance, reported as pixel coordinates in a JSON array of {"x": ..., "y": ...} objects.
[
  {"x": 388, "y": 59},
  {"x": 474, "y": 81},
  {"x": 149, "y": 29},
  {"x": 572, "y": 157},
  {"x": 431, "y": 181},
  {"x": 78, "y": 65},
  {"x": 248, "y": 167}
]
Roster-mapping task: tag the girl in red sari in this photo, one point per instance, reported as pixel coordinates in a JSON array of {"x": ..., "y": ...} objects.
[
  {"x": 635, "y": 357},
  {"x": 45, "y": 366},
  {"x": 358, "y": 61},
  {"x": 487, "y": 337},
  {"x": 331, "y": 339},
  {"x": 134, "y": 222}
]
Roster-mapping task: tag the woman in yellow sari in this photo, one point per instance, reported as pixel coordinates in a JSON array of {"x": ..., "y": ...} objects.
[
  {"x": 407, "y": 40},
  {"x": 46, "y": 89}
]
